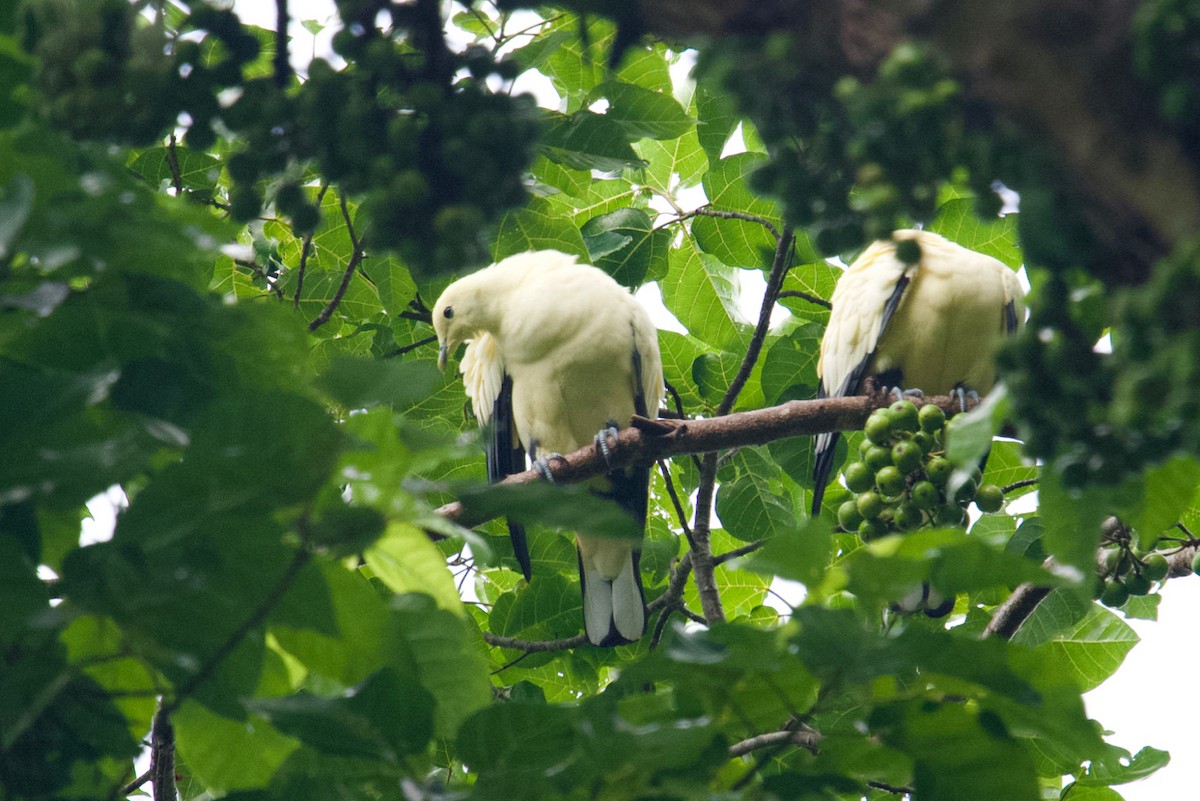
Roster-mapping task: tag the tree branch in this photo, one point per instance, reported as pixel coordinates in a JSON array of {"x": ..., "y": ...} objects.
[
  {"x": 355, "y": 258},
  {"x": 806, "y": 739},
  {"x": 162, "y": 755},
  {"x": 534, "y": 646},
  {"x": 282, "y": 65},
  {"x": 305, "y": 250},
  {"x": 813, "y": 299},
  {"x": 648, "y": 440},
  {"x": 257, "y": 616},
  {"x": 708, "y": 211}
]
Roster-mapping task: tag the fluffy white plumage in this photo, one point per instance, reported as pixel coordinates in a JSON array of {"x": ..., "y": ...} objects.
[
  {"x": 580, "y": 352},
  {"x": 931, "y": 325}
]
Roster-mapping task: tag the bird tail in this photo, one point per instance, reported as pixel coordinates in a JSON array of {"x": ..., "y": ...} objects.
[
  {"x": 823, "y": 453},
  {"x": 614, "y": 610}
]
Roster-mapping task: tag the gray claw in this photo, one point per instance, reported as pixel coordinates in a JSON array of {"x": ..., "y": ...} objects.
[
  {"x": 602, "y": 442},
  {"x": 914, "y": 393},
  {"x": 542, "y": 465}
]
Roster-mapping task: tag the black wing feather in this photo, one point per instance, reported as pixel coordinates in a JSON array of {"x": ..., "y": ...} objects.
[{"x": 505, "y": 457}]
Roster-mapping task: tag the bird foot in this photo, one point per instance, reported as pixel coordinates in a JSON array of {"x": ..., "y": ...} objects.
[
  {"x": 904, "y": 394},
  {"x": 542, "y": 464},
  {"x": 963, "y": 396},
  {"x": 606, "y": 440}
]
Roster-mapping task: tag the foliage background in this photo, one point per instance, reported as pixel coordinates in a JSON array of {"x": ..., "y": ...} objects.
[{"x": 230, "y": 325}]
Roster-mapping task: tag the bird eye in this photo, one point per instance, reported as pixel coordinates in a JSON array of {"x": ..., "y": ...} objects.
[{"x": 448, "y": 312}]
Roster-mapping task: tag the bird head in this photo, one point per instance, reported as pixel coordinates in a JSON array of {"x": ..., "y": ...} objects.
[{"x": 457, "y": 316}]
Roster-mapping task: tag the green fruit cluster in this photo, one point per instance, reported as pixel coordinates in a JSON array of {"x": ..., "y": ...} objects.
[
  {"x": 409, "y": 126},
  {"x": 1123, "y": 573},
  {"x": 852, "y": 158},
  {"x": 104, "y": 77},
  {"x": 902, "y": 479},
  {"x": 1101, "y": 418}
]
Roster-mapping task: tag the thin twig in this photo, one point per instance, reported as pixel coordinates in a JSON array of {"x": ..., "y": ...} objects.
[
  {"x": 534, "y": 646},
  {"x": 813, "y": 299},
  {"x": 136, "y": 784},
  {"x": 702, "y": 560},
  {"x": 808, "y": 740},
  {"x": 721, "y": 559},
  {"x": 1016, "y": 485},
  {"x": 708, "y": 211},
  {"x": 305, "y": 250},
  {"x": 779, "y": 268},
  {"x": 701, "y": 544},
  {"x": 257, "y": 616},
  {"x": 413, "y": 346},
  {"x": 887, "y": 788},
  {"x": 674, "y": 496},
  {"x": 355, "y": 258}
]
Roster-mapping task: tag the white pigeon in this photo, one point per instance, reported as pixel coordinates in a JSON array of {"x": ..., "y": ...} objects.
[
  {"x": 557, "y": 351},
  {"x": 930, "y": 325}
]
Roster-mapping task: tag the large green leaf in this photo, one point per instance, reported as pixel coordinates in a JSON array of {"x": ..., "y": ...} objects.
[
  {"x": 701, "y": 293},
  {"x": 644, "y": 113},
  {"x": 587, "y": 141},
  {"x": 537, "y": 227},
  {"x": 737, "y": 241}
]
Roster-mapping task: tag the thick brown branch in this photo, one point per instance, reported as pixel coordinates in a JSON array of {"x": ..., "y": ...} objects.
[{"x": 648, "y": 440}]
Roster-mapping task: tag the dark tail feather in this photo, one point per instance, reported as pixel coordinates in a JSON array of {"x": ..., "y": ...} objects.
[
  {"x": 520, "y": 546},
  {"x": 823, "y": 453}
]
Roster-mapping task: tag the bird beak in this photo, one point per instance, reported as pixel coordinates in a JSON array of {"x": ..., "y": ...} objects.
[{"x": 443, "y": 352}]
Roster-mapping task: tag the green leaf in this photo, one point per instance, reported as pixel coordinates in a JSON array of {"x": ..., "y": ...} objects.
[
  {"x": 749, "y": 502},
  {"x": 226, "y": 754},
  {"x": 959, "y": 753},
  {"x": 16, "y": 200},
  {"x": 969, "y": 436},
  {"x": 1094, "y": 647},
  {"x": 197, "y": 170},
  {"x": 587, "y": 141},
  {"x": 386, "y": 717},
  {"x": 737, "y": 242},
  {"x": 643, "y": 113},
  {"x": 569, "y": 506},
  {"x": 790, "y": 368},
  {"x": 548, "y": 607},
  {"x": 1118, "y": 767},
  {"x": 701, "y": 293},
  {"x": 1071, "y": 522},
  {"x": 363, "y": 383},
  {"x": 625, "y": 244},
  {"x": 800, "y": 556},
  {"x": 674, "y": 163},
  {"x": 956, "y": 220},
  {"x": 1163, "y": 493},
  {"x": 405, "y": 560},
  {"x": 487, "y": 743},
  {"x": 537, "y": 227},
  {"x": 716, "y": 119}
]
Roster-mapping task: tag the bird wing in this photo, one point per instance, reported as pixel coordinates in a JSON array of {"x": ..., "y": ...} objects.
[
  {"x": 490, "y": 389},
  {"x": 864, "y": 301}
]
